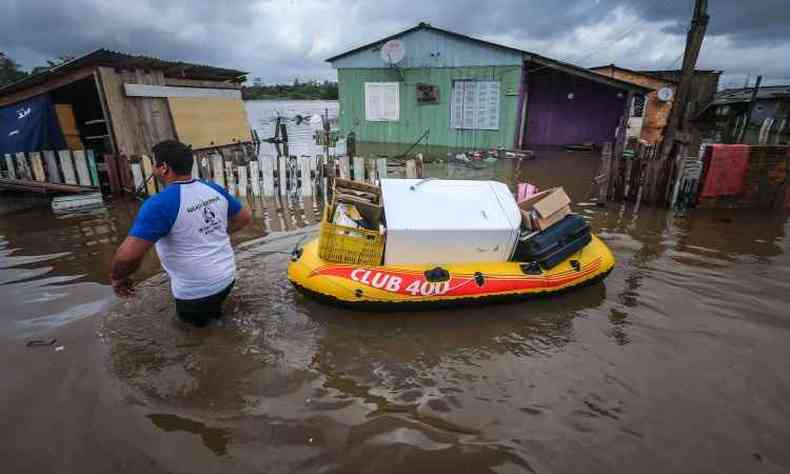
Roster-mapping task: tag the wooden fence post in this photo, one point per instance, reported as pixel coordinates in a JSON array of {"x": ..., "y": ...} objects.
[
  {"x": 148, "y": 174},
  {"x": 94, "y": 170},
  {"x": 370, "y": 168},
  {"x": 37, "y": 166},
  {"x": 216, "y": 163},
  {"x": 345, "y": 167},
  {"x": 267, "y": 170},
  {"x": 381, "y": 168},
  {"x": 111, "y": 163},
  {"x": 283, "y": 174},
  {"x": 53, "y": 173},
  {"x": 23, "y": 168},
  {"x": 242, "y": 170},
  {"x": 69, "y": 177},
  {"x": 359, "y": 169},
  {"x": 307, "y": 182},
  {"x": 420, "y": 165},
  {"x": 9, "y": 164},
  {"x": 195, "y": 168},
  {"x": 230, "y": 177},
  {"x": 411, "y": 169},
  {"x": 255, "y": 178},
  {"x": 137, "y": 178}
]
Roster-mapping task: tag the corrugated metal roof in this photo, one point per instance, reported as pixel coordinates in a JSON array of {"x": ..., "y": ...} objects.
[
  {"x": 733, "y": 96},
  {"x": 530, "y": 56},
  {"x": 106, "y": 57}
]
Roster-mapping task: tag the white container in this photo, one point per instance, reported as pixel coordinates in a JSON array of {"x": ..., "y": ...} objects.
[{"x": 448, "y": 221}]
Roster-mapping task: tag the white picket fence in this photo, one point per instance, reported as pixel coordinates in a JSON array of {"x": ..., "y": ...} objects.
[
  {"x": 52, "y": 166},
  {"x": 269, "y": 176}
]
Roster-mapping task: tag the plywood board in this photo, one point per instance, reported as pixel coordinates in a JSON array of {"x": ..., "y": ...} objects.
[
  {"x": 203, "y": 122},
  {"x": 9, "y": 166},
  {"x": 92, "y": 167},
  {"x": 359, "y": 169},
  {"x": 267, "y": 172}
]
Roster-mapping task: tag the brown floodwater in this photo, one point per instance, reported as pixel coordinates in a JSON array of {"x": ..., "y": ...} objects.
[{"x": 678, "y": 362}]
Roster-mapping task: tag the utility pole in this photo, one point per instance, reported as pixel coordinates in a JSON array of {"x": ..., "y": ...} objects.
[
  {"x": 696, "y": 34},
  {"x": 749, "y": 110}
]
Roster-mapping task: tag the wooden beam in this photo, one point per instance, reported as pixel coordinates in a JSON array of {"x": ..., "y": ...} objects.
[
  {"x": 148, "y": 90},
  {"x": 46, "y": 87},
  {"x": 178, "y": 82}
]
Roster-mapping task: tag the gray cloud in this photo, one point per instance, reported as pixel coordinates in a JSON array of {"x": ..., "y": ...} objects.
[{"x": 282, "y": 39}]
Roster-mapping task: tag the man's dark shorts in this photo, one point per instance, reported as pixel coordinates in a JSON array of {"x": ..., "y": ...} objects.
[{"x": 201, "y": 311}]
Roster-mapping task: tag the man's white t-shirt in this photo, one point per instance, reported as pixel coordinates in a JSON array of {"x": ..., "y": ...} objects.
[{"x": 189, "y": 222}]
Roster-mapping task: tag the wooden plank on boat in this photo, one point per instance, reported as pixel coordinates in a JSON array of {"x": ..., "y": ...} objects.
[
  {"x": 307, "y": 182},
  {"x": 79, "y": 201},
  {"x": 219, "y": 176},
  {"x": 267, "y": 172},
  {"x": 9, "y": 166},
  {"x": 242, "y": 170},
  {"x": 66, "y": 165},
  {"x": 283, "y": 174},
  {"x": 53, "y": 173},
  {"x": 359, "y": 169},
  {"x": 230, "y": 177},
  {"x": 37, "y": 166},
  {"x": 22, "y": 167},
  {"x": 255, "y": 178},
  {"x": 81, "y": 165},
  {"x": 148, "y": 172},
  {"x": 345, "y": 167},
  {"x": 137, "y": 177}
]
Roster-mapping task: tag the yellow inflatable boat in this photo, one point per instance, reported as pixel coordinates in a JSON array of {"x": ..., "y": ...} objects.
[{"x": 412, "y": 287}]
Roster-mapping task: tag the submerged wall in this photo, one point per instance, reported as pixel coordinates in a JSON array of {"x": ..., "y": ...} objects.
[{"x": 414, "y": 118}]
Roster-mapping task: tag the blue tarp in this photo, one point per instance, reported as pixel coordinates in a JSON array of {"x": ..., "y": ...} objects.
[{"x": 30, "y": 125}]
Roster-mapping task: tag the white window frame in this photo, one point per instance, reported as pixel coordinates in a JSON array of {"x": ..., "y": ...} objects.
[{"x": 380, "y": 91}]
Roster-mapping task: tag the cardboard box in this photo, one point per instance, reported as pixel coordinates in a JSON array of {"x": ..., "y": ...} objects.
[{"x": 545, "y": 209}]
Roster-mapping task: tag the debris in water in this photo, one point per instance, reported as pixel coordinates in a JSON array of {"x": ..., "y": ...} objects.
[{"x": 40, "y": 342}]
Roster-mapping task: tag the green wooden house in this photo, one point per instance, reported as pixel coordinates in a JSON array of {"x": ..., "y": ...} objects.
[{"x": 465, "y": 92}]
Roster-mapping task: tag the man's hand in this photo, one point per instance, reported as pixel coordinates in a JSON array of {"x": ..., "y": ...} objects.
[
  {"x": 126, "y": 261},
  {"x": 240, "y": 220},
  {"x": 123, "y": 288}
]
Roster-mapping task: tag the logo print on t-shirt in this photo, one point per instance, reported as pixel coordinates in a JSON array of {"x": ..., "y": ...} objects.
[{"x": 209, "y": 217}]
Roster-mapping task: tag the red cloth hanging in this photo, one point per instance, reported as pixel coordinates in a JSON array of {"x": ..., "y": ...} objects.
[{"x": 726, "y": 172}]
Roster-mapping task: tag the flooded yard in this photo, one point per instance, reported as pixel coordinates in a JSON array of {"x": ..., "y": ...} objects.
[{"x": 678, "y": 362}]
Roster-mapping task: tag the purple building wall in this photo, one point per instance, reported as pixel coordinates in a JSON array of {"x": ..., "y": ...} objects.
[{"x": 553, "y": 119}]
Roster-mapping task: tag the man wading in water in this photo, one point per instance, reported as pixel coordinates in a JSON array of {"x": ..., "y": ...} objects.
[{"x": 190, "y": 222}]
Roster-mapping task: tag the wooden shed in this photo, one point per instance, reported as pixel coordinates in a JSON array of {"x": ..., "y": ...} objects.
[{"x": 120, "y": 104}]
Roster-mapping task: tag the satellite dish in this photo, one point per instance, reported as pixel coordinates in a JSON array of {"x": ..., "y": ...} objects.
[
  {"x": 392, "y": 51},
  {"x": 664, "y": 94}
]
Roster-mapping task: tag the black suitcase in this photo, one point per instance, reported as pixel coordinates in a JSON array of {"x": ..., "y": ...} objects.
[{"x": 555, "y": 244}]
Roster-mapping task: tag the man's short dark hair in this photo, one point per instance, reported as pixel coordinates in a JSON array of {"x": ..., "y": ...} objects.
[{"x": 176, "y": 155}]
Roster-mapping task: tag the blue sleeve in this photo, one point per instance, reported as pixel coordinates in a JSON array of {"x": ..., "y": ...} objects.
[
  {"x": 234, "y": 205},
  {"x": 157, "y": 215}
]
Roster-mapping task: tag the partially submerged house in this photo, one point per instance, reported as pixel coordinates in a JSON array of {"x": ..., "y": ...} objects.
[
  {"x": 466, "y": 92},
  {"x": 733, "y": 117},
  {"x": 649, "y": 113},
  {"x": 116, "y": 103}
]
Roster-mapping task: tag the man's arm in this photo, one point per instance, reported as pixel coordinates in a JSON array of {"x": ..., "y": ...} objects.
[
  {"x": 126, "y": 261},
  {"x": 239, "y": 220}
]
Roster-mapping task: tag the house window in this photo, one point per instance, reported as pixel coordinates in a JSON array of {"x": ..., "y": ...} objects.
[
  {"x": 638, "y": 109},
  {"x": 382, "y": 101},
  {"x": 475, "y": 105}
]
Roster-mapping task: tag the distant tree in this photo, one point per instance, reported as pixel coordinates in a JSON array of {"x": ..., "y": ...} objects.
[
  {"x": 257, "y": 82},
  {"x": 296, "y": 82},
  {"x": 9, "y": 70}
]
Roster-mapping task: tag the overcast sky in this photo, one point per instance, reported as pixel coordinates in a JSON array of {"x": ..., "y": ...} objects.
[{"x": 278, "y": 40}]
